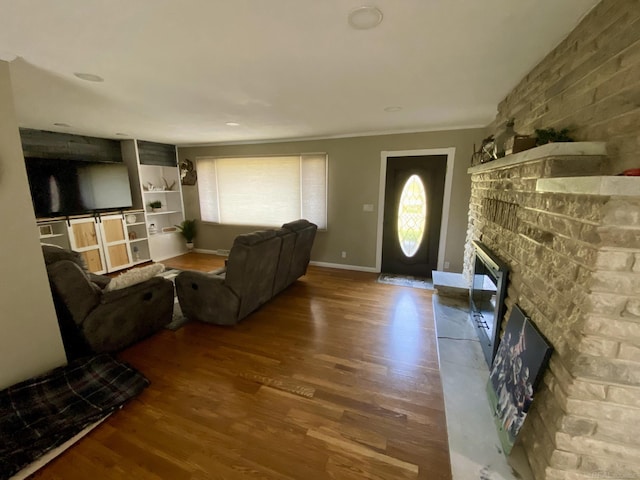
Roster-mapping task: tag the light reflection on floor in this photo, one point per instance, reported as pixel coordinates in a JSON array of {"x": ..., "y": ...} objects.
[{"x": 405, "y": 331}]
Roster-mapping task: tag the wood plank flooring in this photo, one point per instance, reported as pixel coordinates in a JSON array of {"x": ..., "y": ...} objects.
[{"x": 335, "y": 378}]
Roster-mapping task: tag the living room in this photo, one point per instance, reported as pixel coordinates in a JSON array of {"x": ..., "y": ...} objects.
[{"x": 586, "y": 83}]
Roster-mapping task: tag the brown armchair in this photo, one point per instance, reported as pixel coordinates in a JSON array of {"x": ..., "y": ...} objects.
[
  {"x": 93, "y": 320},
  {"x": 247, "y": 283}
]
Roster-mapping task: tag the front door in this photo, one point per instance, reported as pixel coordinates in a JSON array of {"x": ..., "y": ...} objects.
[{"x": 414, "y": 192}]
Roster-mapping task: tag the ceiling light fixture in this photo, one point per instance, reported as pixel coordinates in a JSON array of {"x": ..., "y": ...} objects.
[
  {"x": 120, "y": 134},
  {"x": 60, "y": 124},
  {"x": 89, "y": 77},
  {"x": 393, "y": 109},
  {"x": 232, "y": 124},
  {"x": 364, "y": 18}
]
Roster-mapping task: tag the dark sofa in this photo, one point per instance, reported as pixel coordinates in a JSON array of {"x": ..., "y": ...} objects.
[
  {"x": 260, "y": 265},
  {"x": 93, "y": 320}
]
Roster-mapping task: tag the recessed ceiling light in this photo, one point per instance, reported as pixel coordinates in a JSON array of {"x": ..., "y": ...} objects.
[
  {"x": 89, "y": 77},
  {"x": 120, "y": 134},
  {"x": 393, "y": 109},
  {"x": 60, "y": 124},
  {"x": 232, "y": 124},
  {"x": 363, "y": 18}
]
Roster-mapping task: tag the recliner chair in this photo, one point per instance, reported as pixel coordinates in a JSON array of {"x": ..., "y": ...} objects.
[
  {"x": 247, "y": 283},
  {"x": 92, "y": 320}
]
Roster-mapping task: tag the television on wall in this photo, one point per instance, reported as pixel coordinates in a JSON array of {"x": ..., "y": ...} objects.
[{"x": 70, "y": 187}]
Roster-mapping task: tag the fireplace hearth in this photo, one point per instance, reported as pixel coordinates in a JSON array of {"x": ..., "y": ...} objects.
[{"x": 486, "y": 298}]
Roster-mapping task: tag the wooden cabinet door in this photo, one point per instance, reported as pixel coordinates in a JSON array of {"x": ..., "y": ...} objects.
[
  {"x": 84, "y": 237},
  {"x": 115, "y": 241}
]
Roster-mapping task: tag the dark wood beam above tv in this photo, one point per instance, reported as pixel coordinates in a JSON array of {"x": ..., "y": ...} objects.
[{"x": 65, "y": 146}]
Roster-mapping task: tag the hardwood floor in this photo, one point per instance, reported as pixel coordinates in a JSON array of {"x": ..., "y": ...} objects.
[{"x": 335, "y": 378}]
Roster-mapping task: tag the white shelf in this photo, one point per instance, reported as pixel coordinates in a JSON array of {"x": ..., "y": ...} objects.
[
  {"x": 166, "y": 212},
  {"x": 117, "y": 242},
  {"x": 137, "y": 240},
  {"x": 135, "y": 223},
  {"x": 53, "y": 235},
  {"x": 160, "y": 191},
  {"x": 162, "y": 234}
]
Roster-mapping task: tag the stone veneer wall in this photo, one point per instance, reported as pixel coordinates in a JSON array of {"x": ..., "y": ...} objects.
[
  {"x": 590, "y": 82},
  {"x": 575, "y": 270}
]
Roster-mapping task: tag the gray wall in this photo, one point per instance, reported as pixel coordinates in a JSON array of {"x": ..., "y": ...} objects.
[
  {"x": 354, "y": 179},
  {"x": 30, "y": 342}
]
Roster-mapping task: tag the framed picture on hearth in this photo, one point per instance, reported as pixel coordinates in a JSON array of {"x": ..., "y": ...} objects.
[{"x": 516, "y": 371}]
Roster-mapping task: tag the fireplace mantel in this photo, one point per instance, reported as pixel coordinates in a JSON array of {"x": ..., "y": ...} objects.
[
  {"x": 596, "y": 185},
  {"x": 559, "y": 149}
]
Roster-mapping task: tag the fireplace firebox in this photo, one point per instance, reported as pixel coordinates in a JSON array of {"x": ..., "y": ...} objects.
[{"x": 486, "y": 298}]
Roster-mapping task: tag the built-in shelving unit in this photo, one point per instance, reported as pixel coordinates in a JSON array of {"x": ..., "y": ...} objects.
[
  {"x": 53, "y": 232},
  {"x": 154, "y": 175},
  {"x": 138, "y": 236}
]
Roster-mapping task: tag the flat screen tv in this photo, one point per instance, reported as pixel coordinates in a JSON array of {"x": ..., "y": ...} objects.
[{"x": 69, "y": 187}]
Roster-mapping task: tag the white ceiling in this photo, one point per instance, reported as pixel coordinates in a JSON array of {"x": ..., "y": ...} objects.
[{"x": 177, "y": 71}]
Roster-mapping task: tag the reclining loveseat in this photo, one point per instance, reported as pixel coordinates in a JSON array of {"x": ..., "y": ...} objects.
[{"x": 260, "y": 265}]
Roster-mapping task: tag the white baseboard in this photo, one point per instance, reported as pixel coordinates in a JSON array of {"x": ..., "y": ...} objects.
[
  {"x": 342, "y": 266},
  {"x": 212, "y": 252}
]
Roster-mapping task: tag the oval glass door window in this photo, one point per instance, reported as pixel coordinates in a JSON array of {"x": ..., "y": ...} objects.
[{"x": 412, "y": 215}]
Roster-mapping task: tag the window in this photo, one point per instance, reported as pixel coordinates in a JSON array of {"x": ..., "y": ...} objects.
[
  {"x": 263, "y": 191},
  {"x": 412, "y": 213}
]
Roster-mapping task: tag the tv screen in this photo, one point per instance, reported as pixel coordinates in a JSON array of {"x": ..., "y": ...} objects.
[{"x": 67, "y": 187}]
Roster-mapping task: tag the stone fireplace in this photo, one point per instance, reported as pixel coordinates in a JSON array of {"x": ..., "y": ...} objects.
[{"x": 571, "y": 240}]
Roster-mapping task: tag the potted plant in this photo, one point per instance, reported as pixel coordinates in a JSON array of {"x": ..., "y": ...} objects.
[
  {"x": 188, "y": 230},
  {"x": 549, "y": 135},
  {"x": 155, "y": 205}
]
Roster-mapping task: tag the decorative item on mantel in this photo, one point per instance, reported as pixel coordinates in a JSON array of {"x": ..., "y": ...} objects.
[
  {"x": 550, "y": 135},
  {"x": 518, "y": 143},
  {"x": 155, "y": 205},
  {"x": 501, "y": 138},
  {"x": 509, "y": 141},
  {"x": 485, "y": 153}
]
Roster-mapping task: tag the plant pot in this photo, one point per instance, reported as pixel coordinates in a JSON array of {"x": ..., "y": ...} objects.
[{"x": 189, "y": 246}]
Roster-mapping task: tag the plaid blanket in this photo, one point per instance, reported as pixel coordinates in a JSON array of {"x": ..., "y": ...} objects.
[{"x": 42, "y": 413}]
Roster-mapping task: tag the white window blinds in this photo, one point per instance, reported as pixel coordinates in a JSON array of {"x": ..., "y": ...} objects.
[{"x": 263, "y": 191}]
